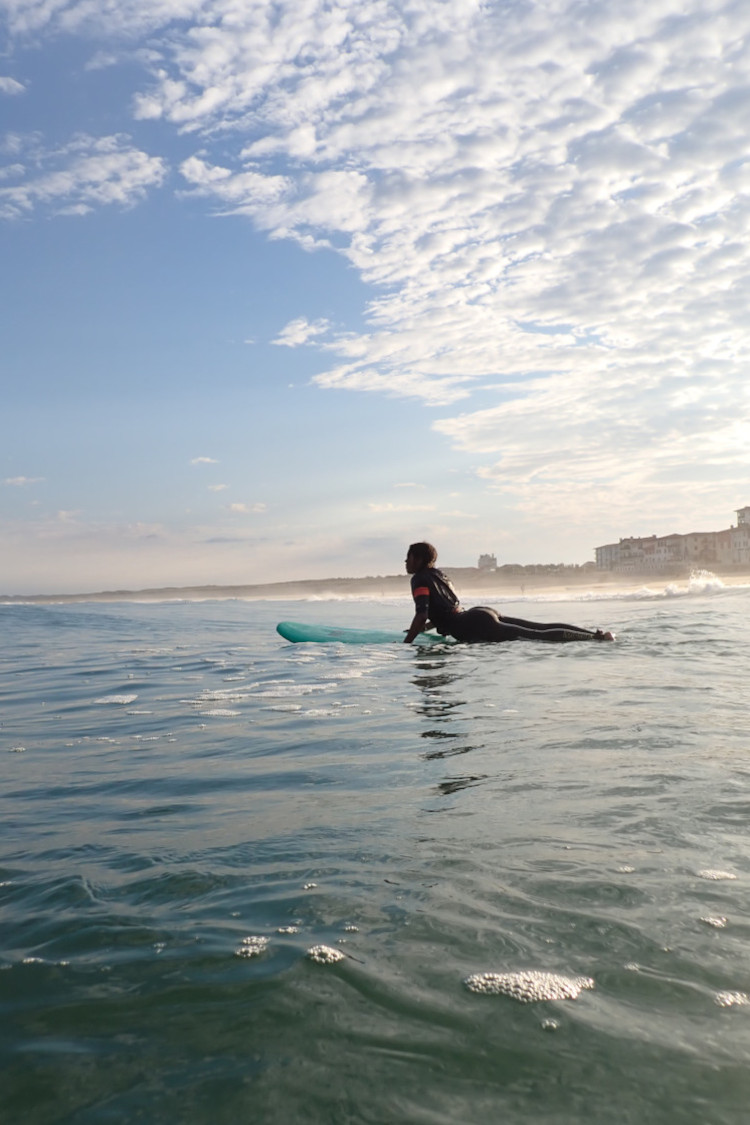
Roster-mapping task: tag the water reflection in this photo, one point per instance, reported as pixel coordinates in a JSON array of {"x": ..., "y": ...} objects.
[
  {"x": 444, "y": 707},
  {"x": 453, "y": 784},
  {"x": 449, "y": 752}
]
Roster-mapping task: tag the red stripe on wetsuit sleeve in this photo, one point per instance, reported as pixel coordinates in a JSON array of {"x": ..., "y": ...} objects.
[{"x": 422, "y": 592}]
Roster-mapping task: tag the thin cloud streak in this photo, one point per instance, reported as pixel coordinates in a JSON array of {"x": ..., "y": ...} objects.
[{"x": 10, "y": 86}]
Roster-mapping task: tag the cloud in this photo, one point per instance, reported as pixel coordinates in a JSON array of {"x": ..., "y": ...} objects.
[
  {"x": 110, "y": 17},
  {"x": 217, "y": 487},
  {"x": 300, "y": 331},
  {"x": 388, "y": 507},
  {"x": 94, "y": 554},
  {"x": 552, "y": 212},
  {"x": 88, "y": 172},
  {"x": 222, "y": 539},
  {"x": 10, "y": 86},
  {"x": 554, "y": 216},
  {"x": 248, "y": 192},
  {"x": 204, "y": 461},
  {"x": 21, "y": 482},
  {"x": 247, "y": 509}
]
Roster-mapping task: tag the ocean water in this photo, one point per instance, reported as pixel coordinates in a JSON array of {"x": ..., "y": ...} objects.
[{"x": 528, "y": 867}]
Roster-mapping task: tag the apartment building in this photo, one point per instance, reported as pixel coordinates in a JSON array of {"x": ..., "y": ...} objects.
[{"x": 653, "y": 553}]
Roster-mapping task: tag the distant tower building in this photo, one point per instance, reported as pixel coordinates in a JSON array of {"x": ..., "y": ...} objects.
[
  {"x": 489, "y": 562},
  {"x": 740, "y": 538}
]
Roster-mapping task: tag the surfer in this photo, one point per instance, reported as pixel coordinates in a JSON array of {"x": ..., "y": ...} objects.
[{"x": 437, "y": 606}]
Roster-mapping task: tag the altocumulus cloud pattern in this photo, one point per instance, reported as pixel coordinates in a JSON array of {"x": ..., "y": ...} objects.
[{"x": 549, "y": 200}]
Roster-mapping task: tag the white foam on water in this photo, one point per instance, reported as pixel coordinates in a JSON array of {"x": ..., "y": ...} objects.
[
  {"x": 717, "y": 922},
  {"x": 288, "y": 930},
  {"x": 529, "y": 985},
  {"x": 325, "y": 954},
  {"x": 705, "y": 582},
  {"x": 286, "y": 690},
  {"x": 267, "y": 684},
  {"x": 226, "y": 696},
  {"x": 219, "y": 713},
  {"x": 252, "y": 946},
  {"x": 44, "y": 961},
  {"x": 119, "y": 699},
  {"x": 715, "y": 874},
  {"x": 731, "y": 999},
  {"x": 700, "y": 583}
]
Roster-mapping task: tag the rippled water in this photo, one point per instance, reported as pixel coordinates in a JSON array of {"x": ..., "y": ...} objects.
[{"x": 190, "y": 805}]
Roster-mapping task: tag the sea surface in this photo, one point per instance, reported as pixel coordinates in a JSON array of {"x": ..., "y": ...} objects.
[{"x": 245, "y": 881}]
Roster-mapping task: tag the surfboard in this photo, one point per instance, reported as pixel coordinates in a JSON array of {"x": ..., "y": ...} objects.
[{"x": 297, "y": 632}]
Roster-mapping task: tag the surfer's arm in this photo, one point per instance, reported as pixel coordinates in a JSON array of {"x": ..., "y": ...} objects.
[{"x": 418, "y": 625}]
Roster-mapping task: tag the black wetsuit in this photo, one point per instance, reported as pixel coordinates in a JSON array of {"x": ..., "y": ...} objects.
[{"x": 433, "y": 594}]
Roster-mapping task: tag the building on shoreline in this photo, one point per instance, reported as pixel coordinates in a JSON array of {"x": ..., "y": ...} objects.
[{"x": 654, "y": 553}]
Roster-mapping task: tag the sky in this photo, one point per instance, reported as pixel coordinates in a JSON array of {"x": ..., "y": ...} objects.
[{"x": 287, "y": 285}]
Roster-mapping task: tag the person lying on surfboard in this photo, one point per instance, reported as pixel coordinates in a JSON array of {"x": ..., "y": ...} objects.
[{"x": 437, "y": 607}]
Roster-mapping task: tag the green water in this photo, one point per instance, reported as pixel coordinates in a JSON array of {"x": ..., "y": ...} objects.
[{"x": 176, "y": 779}]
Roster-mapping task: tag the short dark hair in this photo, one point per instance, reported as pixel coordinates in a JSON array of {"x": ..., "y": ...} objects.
[{"x": 424, "y": 551}]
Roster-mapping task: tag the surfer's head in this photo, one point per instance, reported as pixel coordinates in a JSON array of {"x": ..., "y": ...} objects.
[{"x": 420, "y": 555}]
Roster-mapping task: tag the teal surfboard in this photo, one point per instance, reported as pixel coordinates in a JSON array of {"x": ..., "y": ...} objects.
[{"x": 334, "y": 634}]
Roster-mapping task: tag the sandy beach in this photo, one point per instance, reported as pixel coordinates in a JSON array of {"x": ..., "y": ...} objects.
[{"x": 471, "y": 583}]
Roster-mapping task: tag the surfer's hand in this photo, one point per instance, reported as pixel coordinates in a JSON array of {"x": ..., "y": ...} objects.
[{"x": 418, "y": 623}]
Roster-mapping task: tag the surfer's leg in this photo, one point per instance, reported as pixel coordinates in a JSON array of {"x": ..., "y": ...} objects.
[
  {"x": 484, "y": 624},
  {"x": 542, "y": 625},
  {"x": 538, "y": 626}
]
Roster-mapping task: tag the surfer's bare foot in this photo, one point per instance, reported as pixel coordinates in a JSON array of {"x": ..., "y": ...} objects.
[{"x": 600, "y": 636}]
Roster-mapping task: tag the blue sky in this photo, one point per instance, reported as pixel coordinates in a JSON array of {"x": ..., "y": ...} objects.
[{"x": 288, "y": 285}]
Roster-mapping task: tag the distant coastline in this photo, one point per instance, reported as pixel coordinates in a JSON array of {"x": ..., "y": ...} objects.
[{"x": 507, "y": 580}]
